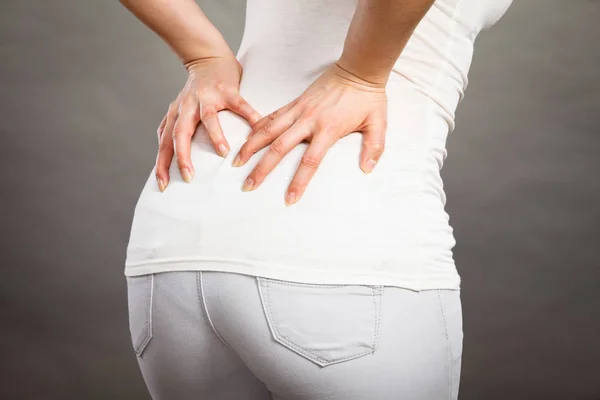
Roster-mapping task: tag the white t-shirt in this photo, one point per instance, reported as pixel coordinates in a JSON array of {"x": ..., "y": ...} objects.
[{"x": 388, "y": 227}]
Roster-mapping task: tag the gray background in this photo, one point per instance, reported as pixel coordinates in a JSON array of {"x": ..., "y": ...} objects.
[{"x": 83, "y": 86}]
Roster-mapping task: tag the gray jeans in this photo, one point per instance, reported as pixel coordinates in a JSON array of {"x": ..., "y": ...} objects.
[{"x": 219, "y": 336}]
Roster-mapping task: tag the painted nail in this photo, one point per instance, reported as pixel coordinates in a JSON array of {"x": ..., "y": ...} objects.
[
  {"x": 236, "y": 161},
  {"x": 161, "y": 185},
  {"x": 248, "y": 184},
  {"x": 187, "y": 175},
  {"x": 290, "y": 198},
  {"x": 223, "y": 150}
]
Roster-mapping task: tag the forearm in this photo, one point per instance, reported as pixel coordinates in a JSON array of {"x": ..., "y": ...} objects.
[
  {"x": 182, "y": 25},
  {"x": 377, "y": 35}
]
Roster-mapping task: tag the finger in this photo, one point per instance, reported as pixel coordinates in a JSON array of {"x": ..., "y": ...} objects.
[
  {"x": 161, "y": 127},
  {"x": 208, "y": 115},
  {"x": 308, "y": 166},
  {"x": 165, "y": 152},
  {"x": 278, "y": 149},
  {"x": 264, "y": 136},
  {"x": 268, "y": 118},
  {"x": 240, "y": 106},
  {"x": 373, "y": 143},
  {"x": 183, "y": 131}
]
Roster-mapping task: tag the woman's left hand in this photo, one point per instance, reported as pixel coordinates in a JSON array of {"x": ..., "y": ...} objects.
[{"x": 336, "y": 104}]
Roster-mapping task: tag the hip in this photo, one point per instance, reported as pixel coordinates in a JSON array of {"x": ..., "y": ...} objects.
[{"x": 389, "y": 341}]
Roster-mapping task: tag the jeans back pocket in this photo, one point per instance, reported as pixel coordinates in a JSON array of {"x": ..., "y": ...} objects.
[
  {"x": 325, "y": 324},
  {"x": 140, "y": 291}
]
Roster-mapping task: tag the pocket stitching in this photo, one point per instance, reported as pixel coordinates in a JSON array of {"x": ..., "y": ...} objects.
[
  {"x": 322, "y": 361},
  {"x": 147, "y": 332},
  {"x": 377, "y": 314}
]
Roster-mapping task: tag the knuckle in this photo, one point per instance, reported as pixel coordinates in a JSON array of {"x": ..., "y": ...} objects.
[
  {"x": 378, "y": 146},
  {"x": 277, "y": 147},
  {"x": 179, "y": 132},
  {"x": 178, "y": 136},
  {"x": 172, "y": 109},
  {"x": 267, "y": 130},
  {"x": 305, "y": 119},
  {"x": 309, "y": 111},
  {"x": 164, "y": 147},
  {"x": 258, "y": 172},
  {"x": 162, "y": 172},
  {"x": 181, "y": 163},
  {"x": 201, "y": 92},
  {"x": 187, "y": 107},
  {"x": 279, "y": 112},
  {"x": 309, "y": 161},
  {"x": 208, "y": 111},
  {"x": 323, "y": 125},
  {"x": 301, "y": 102},
  {"x": 220, "y": 86},
  {"x": 186, "y": 101}
]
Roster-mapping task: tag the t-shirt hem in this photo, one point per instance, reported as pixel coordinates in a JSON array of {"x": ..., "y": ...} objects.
[{"x": 329, "y": 276}]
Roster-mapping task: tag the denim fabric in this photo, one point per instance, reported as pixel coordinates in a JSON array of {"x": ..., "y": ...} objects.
[{"x": 219, "y": 336}]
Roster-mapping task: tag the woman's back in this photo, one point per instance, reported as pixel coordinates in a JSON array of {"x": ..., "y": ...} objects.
[{"x": 388, "y": 227}]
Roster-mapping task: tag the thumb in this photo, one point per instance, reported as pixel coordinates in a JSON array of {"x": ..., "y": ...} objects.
[{"x": 373, "y": 142}]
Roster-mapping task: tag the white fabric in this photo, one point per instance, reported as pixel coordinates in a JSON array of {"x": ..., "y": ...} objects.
[{"x": 389, "y": 227}]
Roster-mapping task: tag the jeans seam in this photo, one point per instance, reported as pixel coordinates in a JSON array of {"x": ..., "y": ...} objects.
[
  {"x": 443, "y": 309},
  {"x": 204, "y": 308},
  {"x": 379, "y": 290}
]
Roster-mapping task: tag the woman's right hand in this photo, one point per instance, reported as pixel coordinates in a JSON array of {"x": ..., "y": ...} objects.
[{"x": 212, "y": 86}]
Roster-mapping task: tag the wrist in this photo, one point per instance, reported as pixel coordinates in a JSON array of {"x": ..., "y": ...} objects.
[
  {"x": 202, "y": 60},
  {"x": 206, "y": 57},
  {"x": 347, "y": 70},
  {"x": 205, "y": 51}
]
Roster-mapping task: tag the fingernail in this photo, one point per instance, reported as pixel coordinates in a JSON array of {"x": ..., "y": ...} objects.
[
  {"x": 236, "y": 161},
  {"x": 161, "y": 185},
  {"x": 223, "y": 149},
  {"x": 369, "y": 165},
  {"x": 290, "y": 198},
  {"x": 248, "y": 184},
  {"x": 187, "y": 175}
]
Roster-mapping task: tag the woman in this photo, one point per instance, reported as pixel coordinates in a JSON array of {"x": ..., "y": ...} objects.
[{"x": 262, "y": 263}]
